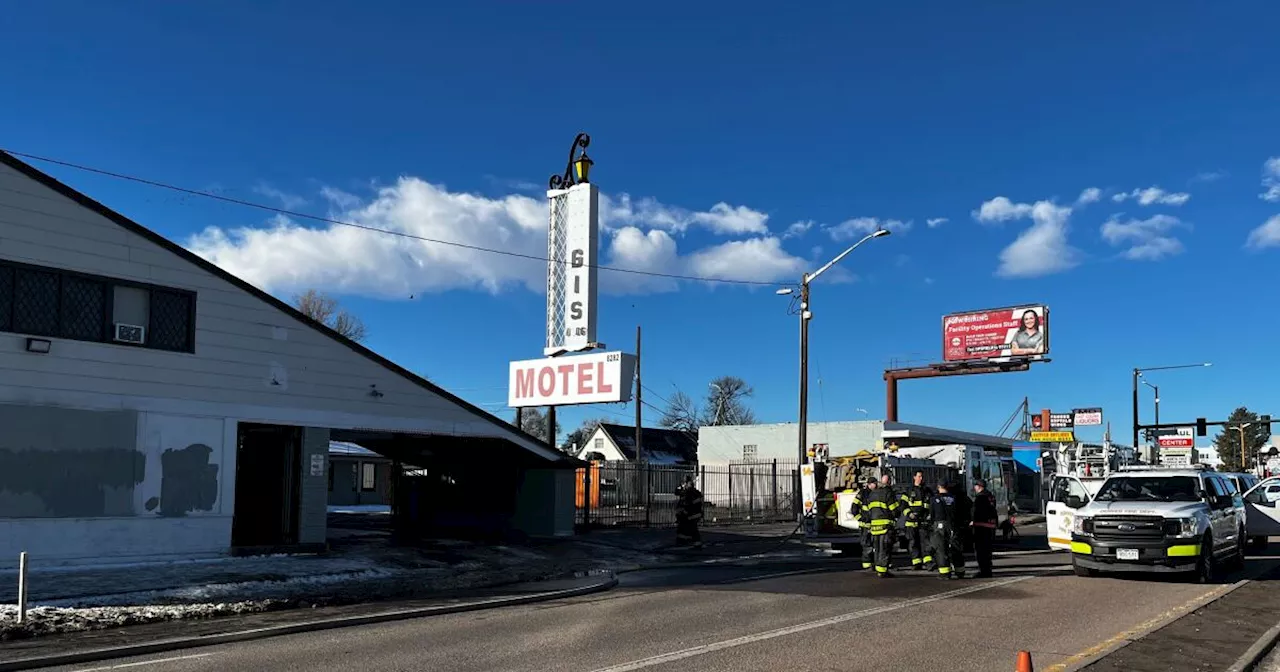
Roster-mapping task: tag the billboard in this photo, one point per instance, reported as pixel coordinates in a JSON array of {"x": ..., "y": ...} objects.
[
  {"x": 1053, "y": 437},
  {"x": 1020, "y": 331},
  {"x": 1087, "y": 417},
  {"x": 599, "y": 377},
  {"x": 1181, "y": 437}
]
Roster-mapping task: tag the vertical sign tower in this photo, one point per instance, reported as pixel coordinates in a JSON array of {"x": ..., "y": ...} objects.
[{"x": 572, "y": 249}]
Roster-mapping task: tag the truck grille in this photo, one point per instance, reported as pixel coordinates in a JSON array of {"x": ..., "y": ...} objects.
[{"x": 1128, "y": 527}]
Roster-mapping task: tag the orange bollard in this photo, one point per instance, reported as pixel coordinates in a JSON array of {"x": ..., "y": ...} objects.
[{"x": 1024, "y": 662}]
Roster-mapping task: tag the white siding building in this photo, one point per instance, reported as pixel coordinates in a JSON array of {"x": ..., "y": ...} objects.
[{"x": 208, "y": 427}]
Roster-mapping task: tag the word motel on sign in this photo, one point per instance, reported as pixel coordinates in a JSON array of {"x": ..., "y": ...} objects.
[{"x": 568, "y": 379}]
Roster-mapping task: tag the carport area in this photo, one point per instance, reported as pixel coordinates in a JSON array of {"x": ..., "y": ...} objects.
[{"x": 468, "y": 487}]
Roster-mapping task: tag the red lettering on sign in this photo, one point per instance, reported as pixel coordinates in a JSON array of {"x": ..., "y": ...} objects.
[
  {"x": 546, "y": 382},
  {"x": 584, "y": 378},
  {"x": 601, "y": 386},
  {"x": 565, "y": 370},
  {"x": 524, "y": 383}
]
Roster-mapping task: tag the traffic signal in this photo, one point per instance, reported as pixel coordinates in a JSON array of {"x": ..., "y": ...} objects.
[
  {"x": 1202, "y": 427},
  {"x": 1266, "y": 423}
]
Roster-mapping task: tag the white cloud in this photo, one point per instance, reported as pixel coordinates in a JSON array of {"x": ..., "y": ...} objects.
[
  {"x": 1000, "y": 209},
  {"x": 1040, "y": 250},
  {"x": 1153, "y": 196},
  {"x": 339, "y": 198},
  {"x": 1267, "y": 235},
  {"x": 1147, "y": 239},
  {"x": 936, "y": 222},
  {"x": 287, "y": 201},
  {"x": 798, "y": 229},
  {"x": 722, "y": 218},
  {"x": 861, "y": 226},
  {"x": 285, "y": 256},
  {"x": 1090, "y": 195},
  {"x": 1271, "y": 179},
  {"x": 1209, "y": 176}
]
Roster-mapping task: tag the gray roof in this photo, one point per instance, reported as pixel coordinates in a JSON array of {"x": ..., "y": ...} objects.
[{"x": 673, "y": 442}]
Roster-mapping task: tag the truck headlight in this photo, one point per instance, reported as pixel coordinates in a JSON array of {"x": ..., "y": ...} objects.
[
  {"x": 1081, "y": 525},
  {"x": 1182, "y": 527}
]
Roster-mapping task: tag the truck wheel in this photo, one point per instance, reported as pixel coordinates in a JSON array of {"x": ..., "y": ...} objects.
[
  {"x": 1082, "y": 571},
  {"x": 1206, "y": 567}
]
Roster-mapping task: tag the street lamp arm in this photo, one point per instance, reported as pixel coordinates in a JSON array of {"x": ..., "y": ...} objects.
[{"x": 874, "y": 234}]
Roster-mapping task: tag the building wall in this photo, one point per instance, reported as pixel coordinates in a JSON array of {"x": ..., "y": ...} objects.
[
  {"x": 348, "y": 479},
  {"x": 722, "y": 445},
  {"x": 243, "y": 343},
  {"x": 313, "y": 497},
  {"x": 80, "y": 485},
  {"x": 170, "y": 491}
]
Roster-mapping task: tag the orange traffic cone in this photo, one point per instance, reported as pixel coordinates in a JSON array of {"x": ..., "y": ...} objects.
[{"x": 1024, "y": 662}]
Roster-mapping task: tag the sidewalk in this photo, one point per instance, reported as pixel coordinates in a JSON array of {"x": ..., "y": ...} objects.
[{"x": 79, "y": 647}]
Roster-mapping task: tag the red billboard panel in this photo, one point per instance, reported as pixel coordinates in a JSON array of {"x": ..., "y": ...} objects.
[{"x": 1021, "y": 331}]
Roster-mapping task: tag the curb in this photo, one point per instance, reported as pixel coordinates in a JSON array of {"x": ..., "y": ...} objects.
[
  {"x": 1255, "y": 653},
  {"x": 173, "y": 644},
  {"x": 1151, "y": 627}
]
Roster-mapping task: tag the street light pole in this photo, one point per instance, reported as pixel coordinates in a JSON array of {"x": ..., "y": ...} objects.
[
  {"x": 805, "y": 315},
  {"x": 1241, "y": 428},
  {"x": 1156, "y": 388}
]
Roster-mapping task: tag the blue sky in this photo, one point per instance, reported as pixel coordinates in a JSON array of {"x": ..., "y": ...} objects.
[{"x": 445, "y": 119}]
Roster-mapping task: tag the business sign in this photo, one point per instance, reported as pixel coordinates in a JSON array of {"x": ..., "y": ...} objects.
[
  {"x": 1087, "y": 417},
  {"x": 998, "y": 333},
  {"x": 1053, "y": 437},
  {"x": 1175, "y": 457},
  {"x": 573, "y": 242},
  {"x": 1061, "y": 421},
  {"x": 1180, "y": 437},
  {"x": 599, "y": 377}
]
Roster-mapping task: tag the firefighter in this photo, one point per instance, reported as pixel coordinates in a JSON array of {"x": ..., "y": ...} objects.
[
  {"x": 864, "y": 526},
  {"x": 886, "y": 484},
  {"x": 689, "y": 514},
  {"x": 950, "y": 516},
  {"x": 985, "y": 521},
  {"x": 880, "y": 513},
  {"x": 915, "y": 502}
]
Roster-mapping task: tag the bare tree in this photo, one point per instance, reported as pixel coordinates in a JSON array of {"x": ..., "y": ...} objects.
[
  {"x": 534, "y": 422},
  {"x": 681, "y": 413},
  {"x": 325, "y": 309},
  {"x": 578, "y": 437},
  {"x": 726, "y": 403}
]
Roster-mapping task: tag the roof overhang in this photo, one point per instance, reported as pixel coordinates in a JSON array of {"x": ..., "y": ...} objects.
[{"x": 910, "y": 436}]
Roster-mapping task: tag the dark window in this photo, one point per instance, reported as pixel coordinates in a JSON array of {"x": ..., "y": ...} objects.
[
  {"x": 6, "y": 298},
  {"x": 84, "y": 308},
  {"x": 35, "y": 302},
  {"x": 170, "y": 327},
  {"x": 51, "y": 302}
]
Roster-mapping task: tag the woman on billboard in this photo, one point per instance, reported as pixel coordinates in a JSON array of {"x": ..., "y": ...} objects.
[{"x": 1029, "y": 339}]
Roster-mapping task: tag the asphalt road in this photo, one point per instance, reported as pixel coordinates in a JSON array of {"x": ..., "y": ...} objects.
[{"x": 767, "y": 617}]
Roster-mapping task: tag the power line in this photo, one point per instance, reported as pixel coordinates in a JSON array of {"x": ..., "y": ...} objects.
[{"x": 364, "y": 227}]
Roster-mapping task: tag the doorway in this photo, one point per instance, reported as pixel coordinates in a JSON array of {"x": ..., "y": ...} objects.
[{"x": 268, "y": 479}]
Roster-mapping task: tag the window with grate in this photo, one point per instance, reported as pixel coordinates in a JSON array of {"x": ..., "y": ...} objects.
[
  {"x": 83, "y": 308},
  {"x": 6, "y": 298},
  {"x": 170, "y": 327},
  {"x": 35, "y": 302}
]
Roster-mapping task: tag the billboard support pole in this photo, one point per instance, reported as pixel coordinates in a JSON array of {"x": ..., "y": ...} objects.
[
  {"x": 1135, "y": 408},
  {"x": 892, "y": 376},
  {"x": 804, "y": 370}
]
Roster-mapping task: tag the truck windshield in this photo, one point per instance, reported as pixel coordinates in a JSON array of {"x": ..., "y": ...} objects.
[{"x": 1150, "y": 489}]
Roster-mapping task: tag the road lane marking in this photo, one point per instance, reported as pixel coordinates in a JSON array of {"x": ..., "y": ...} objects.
[
  {"x": 121, "y": 666},
  {"x": 1145, "y": 627},
  {"x": 803, "y": 627}
]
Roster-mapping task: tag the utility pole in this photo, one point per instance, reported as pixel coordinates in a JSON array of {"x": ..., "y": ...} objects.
[
  {"x": 804, "y": 370},
  {"x": 639, "y": 404}
]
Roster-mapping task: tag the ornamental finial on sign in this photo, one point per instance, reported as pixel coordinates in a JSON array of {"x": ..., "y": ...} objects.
[{"x": 577, "y": 170}]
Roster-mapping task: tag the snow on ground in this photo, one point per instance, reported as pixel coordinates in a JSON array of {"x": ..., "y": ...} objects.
[{"x": 360, "y": 508}]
